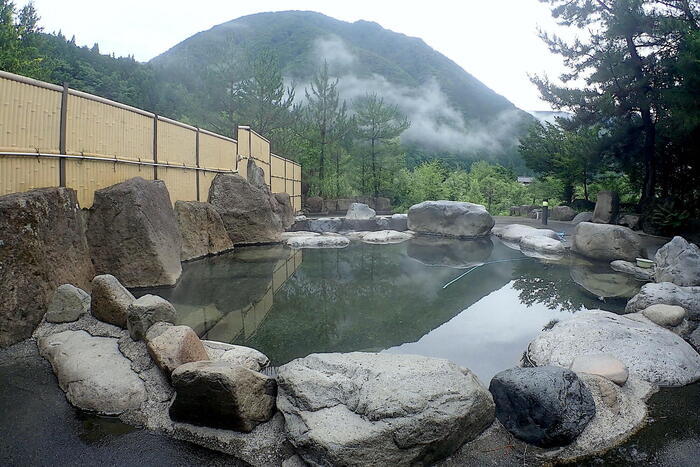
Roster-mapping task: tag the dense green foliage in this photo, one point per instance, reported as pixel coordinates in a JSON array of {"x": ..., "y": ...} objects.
[{"x": 636, "y": 122}]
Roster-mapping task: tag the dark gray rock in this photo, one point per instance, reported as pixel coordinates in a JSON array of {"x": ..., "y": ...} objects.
[
  {"x": 606, "y": 242},
  {"x": 67, "y": 304},
  {"x": 42, "y": 245},
  {"x": 450, "y": 218},
  {"x": 607, "y": 206},
  {"x": 202, "y": 231},
  {"x": 582, "y": 217},
  {"x": 562, "y": 213},
  {"x": 247, "y": 211},
  {"x": 380, "y": 409},
  {"x": 110, "y": 300},
  {"x": 133, "y": 233},
  {"x": 678, "y": 261},
  {"x": 360, "y": 225},
  {"x": 221, "y": 394},
  {"x": 546, "y": 406},
  {"x": 256, "y": 175},
  {"x": 145, "y": 311}
]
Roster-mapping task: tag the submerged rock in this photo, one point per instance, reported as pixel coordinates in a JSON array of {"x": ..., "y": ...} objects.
[
  {"x": 92, "y": 372},
  {"x": 67, "y": 304},
  {"x": 175, "y": 346},
  {"x": 42, "y": 245},
  {"x": 546, "y": 406},
  {"x": 202, "y": 231},
  {"x": 110, "y": 300},
  {"x": 360, "y": 211},
  {"x": 386, "y": 236},
  {"x": 651, "y": 353},
  {"x": 627, "y": 267},
  {"x": 246, "y": 210},
  {"x": 145, "y": 312},
  {"x": 601, "y": 281},
  {"x": 678, "y": 262},
  {"x": 606, "y": 242},
  {"x": 450, "y": 218},
  {"x": 133, "y": 233},
  {"x": 380, "y": 409},
  {"x": 450, "y": 252},
  {"x": 667, "y": 293},
  {"x": 222, "y": 394}
]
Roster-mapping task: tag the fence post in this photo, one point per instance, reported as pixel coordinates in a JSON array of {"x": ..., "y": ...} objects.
[
  {"x": 155, "y": 146},
  {"x": 196, "y": 158},
  {"x": 62, "y": 136}
]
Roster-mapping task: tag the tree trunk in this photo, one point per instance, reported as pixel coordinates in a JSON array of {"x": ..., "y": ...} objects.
[{"x": 374, "y": 171}]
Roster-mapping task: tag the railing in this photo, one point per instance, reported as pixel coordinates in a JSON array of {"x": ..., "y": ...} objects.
[{"x": 56, "y": 136}]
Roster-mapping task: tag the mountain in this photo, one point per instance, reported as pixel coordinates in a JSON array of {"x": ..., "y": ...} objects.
[{"x": 454, "y": 116}]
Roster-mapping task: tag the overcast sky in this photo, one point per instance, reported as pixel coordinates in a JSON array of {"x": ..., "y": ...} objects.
[{"x": 494, "y": 40}]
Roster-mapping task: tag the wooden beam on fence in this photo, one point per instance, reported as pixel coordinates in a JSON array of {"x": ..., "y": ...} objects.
[
  {"x": 196, "y": 158},
  {"x": 155, "y": 146},
  {"x": 62, "y": 136}
]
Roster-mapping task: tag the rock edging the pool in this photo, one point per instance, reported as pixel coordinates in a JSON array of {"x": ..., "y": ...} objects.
[{"x": 372, "y": 399}]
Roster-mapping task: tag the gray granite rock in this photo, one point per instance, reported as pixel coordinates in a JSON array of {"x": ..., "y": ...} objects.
[
  {"x": 398, "y": 222},
  {"x": 325, "y": 224},
  {"x": 607, "y": 206},
  {"x": 238, "y": 354},
  {"x": 202, "y": 231},
  {"x": 546, "y": 406},
  {"x": 668, "y": 316},
  {"x": 606, "y": 242},
  {"x": 320, "y": 241},
  {"x": 360, "y": 211},
  {"x": 650, "y": 352},
  {"x": 515, "y": 232},
  {"x": 176, "y": 346},
  {"x": 562, "y": 213},
  {"x": 386, "y": 236},
  {"x": 627, "y": 267},
  {"x": 582, "y": 217},
  {"x": 604, "y": 365},
  {"x": 110, "y": 300},
  {"x": 67, "y": 304},
  {"x": 92, "y": 372},
  {"x": 678, "y": 262},
  {"x": 145, "y": 312},
  {"x": 380, "y": 409},
  {"x": 667, "y": 293},
  {"x": 450, "y": 218}
]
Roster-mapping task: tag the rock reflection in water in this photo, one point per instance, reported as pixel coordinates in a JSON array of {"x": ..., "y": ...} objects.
[
  {"x": 600, "y": 280},
  {"x": 436, "y": 251}
]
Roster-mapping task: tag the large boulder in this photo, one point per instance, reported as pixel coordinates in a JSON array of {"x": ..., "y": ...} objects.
[
  {"x": 380, "y": 409},
  {"x": 246, "y": 211},
  {"x": 546, "y": 406},
  {"x": 650, "y": 352},
  {"x": 202, "y": 231},
  {"x": 283, "y": 209},
  {"x": 221, "y": 394},
  {"x": 360, "y": 211},
  {"x": 607, "y": 206},
  {"x": 146, "y": 311},
  {"x": 628, "y": 267},
  {"x": 667, "y": 293},
  {"x": 450, "y": 218},
  {"x": 513, "y": 233},
  {"x": 175, "y": 346},
  {"x": 256, "y": 175},
  {"x": 92, "y": 372},
  {"x": 110, "y": 301},
  {"x": 606, "y": 242},
  {"x": 133, "y": 233},
  {"x": 562, "y": 213},
  {"x": 67, "y": 304},
  {"x": 678, "y": 261},
  {"x": 539, "y": 246},
  {"x": 42, "y": 245}
]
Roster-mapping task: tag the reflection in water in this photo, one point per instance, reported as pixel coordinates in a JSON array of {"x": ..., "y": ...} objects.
[{"x": 382, "y": 297}]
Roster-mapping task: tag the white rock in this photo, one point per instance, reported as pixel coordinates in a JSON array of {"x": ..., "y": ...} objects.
[
  {"x": 321, "y": 241},
  {"x": 668, "y": 316},
  {"x": 386, "y": 236},
  {"x": 238, "y": 354},
  {"x": 515, "y": 232},
  {"x": 603, "y": 365},
  {"x": 360, "y": 211},
  {"x": 539, "y": 246},
  {"x": 92, "y": 372},
  {"x": 284, "y": 236},
  {"x": 678, "y": 261},
  {"x": 650, "y": 352}
]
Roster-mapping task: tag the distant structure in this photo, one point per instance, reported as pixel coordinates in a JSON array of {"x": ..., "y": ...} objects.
[{"x": 526, "y": 180}]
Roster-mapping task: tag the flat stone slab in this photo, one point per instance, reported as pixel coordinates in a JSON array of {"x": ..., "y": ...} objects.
[
  {"x": 92, "y": 372},
  {"x": 385, "y": 236},
  {"x": 627, "y": 267},
  {"x": 650, "y": 352},
  {"x": 320, "y": 241}
]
